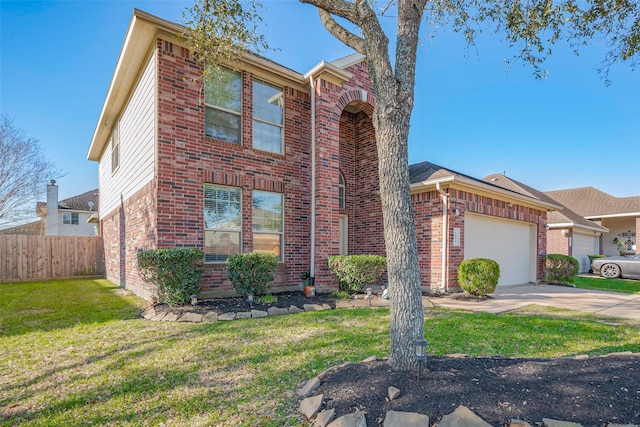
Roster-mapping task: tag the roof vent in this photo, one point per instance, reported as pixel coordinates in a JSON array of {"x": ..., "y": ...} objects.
[{"x": 91, "y": 205}]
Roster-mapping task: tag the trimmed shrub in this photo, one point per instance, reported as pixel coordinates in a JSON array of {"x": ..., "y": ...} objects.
[
  {"x": 354, "y": 272},
  {"x": 251, "y": 273},
  {"x": 560, "y": 268},
  {"x": 176, "y": 273},
  {"x": 478, "y": 276}
]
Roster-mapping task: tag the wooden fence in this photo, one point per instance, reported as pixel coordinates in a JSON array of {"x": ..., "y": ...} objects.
[{"x": 24, "y": 258}]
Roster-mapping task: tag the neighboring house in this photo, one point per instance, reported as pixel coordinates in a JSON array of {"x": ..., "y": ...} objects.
[
  {"x": 620, "y": 215},
  {"x": 567, "y": 232},
  {"x": 264, "y": 158},
  {"x": 33, "y": 228},
  {"x": 69, "y": 217}
]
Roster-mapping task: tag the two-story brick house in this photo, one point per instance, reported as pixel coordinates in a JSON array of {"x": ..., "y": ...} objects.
[{"x": 265, "y": 158}]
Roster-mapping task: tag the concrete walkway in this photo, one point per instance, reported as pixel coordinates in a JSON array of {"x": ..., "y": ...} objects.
[{"x": 507, "y": 298}]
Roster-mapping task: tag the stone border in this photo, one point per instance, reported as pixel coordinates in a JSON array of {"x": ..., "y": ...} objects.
[
  {"x": 163, "y": 312},
  {"x": 312, "y": 408}
]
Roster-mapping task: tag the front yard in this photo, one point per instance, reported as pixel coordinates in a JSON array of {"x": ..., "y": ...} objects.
[
  {"x": 598, "y": 283},
  {"x": 76, "y": 353}
]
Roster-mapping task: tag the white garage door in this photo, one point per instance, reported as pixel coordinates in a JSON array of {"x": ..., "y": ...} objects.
[
  {"x": 584, "y": 245},
  {"x": 510, "y": 243}
]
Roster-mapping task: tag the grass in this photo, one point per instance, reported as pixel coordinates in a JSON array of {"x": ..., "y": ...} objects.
[
  {"x": 612, "y": 285},
  {"x": 118, "y": 369}
]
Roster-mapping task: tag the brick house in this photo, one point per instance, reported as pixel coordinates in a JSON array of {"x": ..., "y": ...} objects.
[{"x": 265, "y": 158}]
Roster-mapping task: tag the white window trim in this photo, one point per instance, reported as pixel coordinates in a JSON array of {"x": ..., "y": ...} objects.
[
  {"x": 281, "y": 234},
  {"x": 281, "y": 126},
  {"x": 222, "y": 230},
  {"x": 224, "y": 110}
]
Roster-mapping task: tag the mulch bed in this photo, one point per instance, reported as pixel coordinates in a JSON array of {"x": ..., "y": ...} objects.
[
  {"x": 285, "y": 299},
  {"x": 592, "y": 391}
]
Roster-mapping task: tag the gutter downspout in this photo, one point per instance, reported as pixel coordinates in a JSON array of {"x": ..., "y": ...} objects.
[
  {"x": 312, "y": 267},
  {"x": 445, "y": 234}
]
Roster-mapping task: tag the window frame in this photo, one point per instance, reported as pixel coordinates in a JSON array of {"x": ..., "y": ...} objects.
[
  {"x": 73, "y": 216},
  {"x": 255, "y": 119},
  {"x": 115, "y": 147},
  {"x": 342, "y": 192},
  {"x": 273, "y": 233},
  {"x": 238, "y": 114},
  {"x": 221, "y": 230}
]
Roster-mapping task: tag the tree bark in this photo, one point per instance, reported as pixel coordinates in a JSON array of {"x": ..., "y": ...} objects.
[{"x": 391, "y": 118}]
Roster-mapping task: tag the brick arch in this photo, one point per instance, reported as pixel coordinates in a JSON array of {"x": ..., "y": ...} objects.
[{"x": 361, "y": 99}]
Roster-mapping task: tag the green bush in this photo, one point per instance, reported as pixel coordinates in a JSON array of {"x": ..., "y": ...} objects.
[
  {"x": 356, "y": 271},
  {"x": 479, "y": 276},
  {"x": 251, "y": 273},
  {"x": 560, "y": 268},
  {"x": 176, "y": 273}
]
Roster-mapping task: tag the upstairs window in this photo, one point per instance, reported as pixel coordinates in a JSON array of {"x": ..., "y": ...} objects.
[
  {"x": 70, "y": 218},
  {"x": 222, "y": 222},
  {"x": 223, "y": 106},
  {"x": 267, "y": 222},
  {"x": 115, "y": 147},
  {"x": 268, "y": 112}
]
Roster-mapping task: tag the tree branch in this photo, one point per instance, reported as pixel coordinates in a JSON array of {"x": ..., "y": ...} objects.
[
  {"x": 342, "y": 34},
  {"x": 340, "y": 8}
]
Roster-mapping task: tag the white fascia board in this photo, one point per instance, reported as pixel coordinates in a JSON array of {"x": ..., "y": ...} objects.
[
  {"x": 574, "y": 225},
  {"x": 329, "y": 72},
  {"x": 621, "y": 215}
]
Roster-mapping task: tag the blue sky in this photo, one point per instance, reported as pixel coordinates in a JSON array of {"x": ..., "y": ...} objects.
[{"x": 471, "y": 114}]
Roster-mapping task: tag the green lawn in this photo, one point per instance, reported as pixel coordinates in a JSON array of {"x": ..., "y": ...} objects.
[
  {"x": 64, "y": 366},
  {"x": 601, "y": 284}
]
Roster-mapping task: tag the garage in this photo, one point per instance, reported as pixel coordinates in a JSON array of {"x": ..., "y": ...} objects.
[
  {"x": 583, "y": 245},
  {"x": 510, "y": 243}
]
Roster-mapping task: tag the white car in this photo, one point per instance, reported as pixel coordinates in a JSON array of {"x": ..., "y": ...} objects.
[{"x": 618, "y": 266}]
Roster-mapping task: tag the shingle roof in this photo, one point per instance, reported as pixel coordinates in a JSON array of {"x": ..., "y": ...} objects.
[
  {"x": 591, "y": 202},
  {"x": 423, "y": 171},
  {"x": 565, "y": 216},
  {"x": 76, "y": 203}
]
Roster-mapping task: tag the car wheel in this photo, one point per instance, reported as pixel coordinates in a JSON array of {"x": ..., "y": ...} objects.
[{"x": 610, "y": 270}]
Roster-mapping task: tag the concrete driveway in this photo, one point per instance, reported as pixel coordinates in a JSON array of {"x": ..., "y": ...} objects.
[{"x": 507, "y": 298}]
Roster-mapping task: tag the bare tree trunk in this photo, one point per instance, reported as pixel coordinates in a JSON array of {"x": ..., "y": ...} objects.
[{"x": 391, "y": 118}]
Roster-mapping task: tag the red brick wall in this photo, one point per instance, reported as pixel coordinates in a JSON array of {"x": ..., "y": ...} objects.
[
  {"x": 557, "y": 243},
  {"x": 125, "y": 230},
  {"x": 187, "y": 160}
]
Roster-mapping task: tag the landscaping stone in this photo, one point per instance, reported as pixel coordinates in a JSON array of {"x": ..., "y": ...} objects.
[
  {"x": 210, "y": 316},
  {"x": 170, "y": 317},
  {"x": 243, "y": 315},
  {"x": 371, "y": 359},
  {"x": 405, "y": 419},
  {"x": 191, "y": 317},
  {"x": 622, "y": 425},
  {"x": 149, "y": 313},
  {"x": 426, "y": 303},
  {"x": 357, "y": 419},
  {"x": 361, "y": 303},
  {"x": 309, "y": 387},
  {"x": 227, "y": 316},
  {"x": 313, "y": 307},
  {"x": 256, "y": 314},
  {"x": 310, "y": 406},
  {"x": 519, "y": 423},
  {"x": 276, "y": 311},
  {"x": 325, "y": 417},
  {"x": 548, "y": 422},
  {"x": 379, "y": 302},
  {"x": 343, "y": 303},
  {"x": 158, "y": 316},
  {"x": 327, "y": 307},
  {"x": 393, "y": 392},
  {"x": 294, "y": 309},
  {"x": 462, "y": 417}
]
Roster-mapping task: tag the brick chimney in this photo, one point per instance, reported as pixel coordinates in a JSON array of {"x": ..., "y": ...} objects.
[{"x": 52, "y": 209}]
